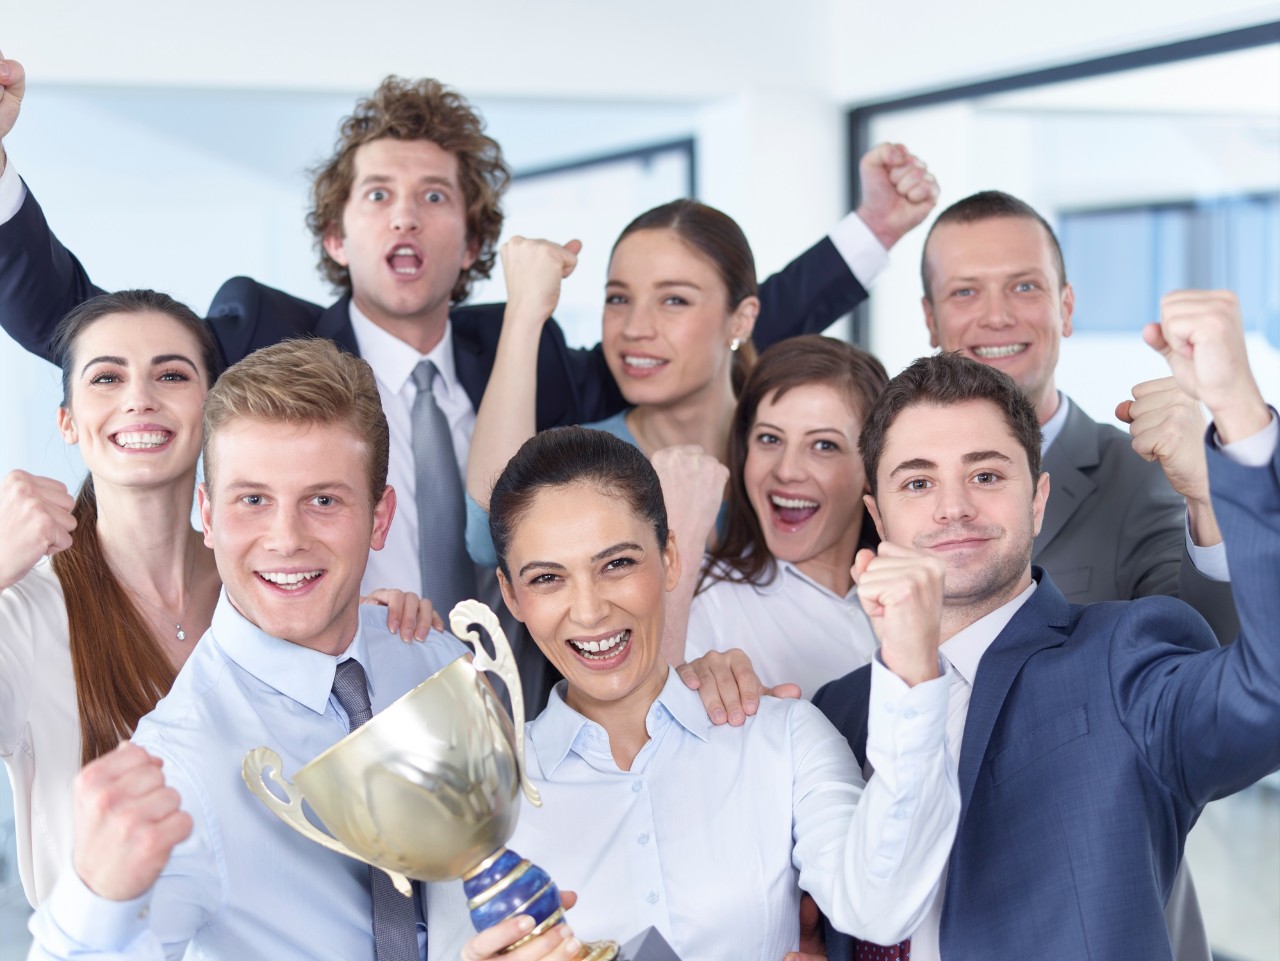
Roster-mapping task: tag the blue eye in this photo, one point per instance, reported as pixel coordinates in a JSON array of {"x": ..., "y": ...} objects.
[
  {"x": 435, "y": 197},
  {"x": 377, "y": 195}
]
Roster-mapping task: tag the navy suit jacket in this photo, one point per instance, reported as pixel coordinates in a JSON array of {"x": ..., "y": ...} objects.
[
  {"x": 1095, "y": 736},
  {"x": 40, "y": 280}
]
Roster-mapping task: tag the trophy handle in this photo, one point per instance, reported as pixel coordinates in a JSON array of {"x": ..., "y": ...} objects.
[
  {"x": 254, "y": 771},
  {"x": 463, "y": 615}
]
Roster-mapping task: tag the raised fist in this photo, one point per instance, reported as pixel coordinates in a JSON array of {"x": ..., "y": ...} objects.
[{"x": 35, "y": 522}]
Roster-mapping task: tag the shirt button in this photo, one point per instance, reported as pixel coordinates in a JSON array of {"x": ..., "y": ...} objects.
[
  {"x": 636, "y": 786},
  {"x": 888, "y": 708},
  {"x": 909, "y": 713},
  {"x": 653, "y": 897},
  {"x": 900, "y": 813},
  {"x": 643, "y": 839}
]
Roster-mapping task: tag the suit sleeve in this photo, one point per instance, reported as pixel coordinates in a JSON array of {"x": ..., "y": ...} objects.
[
  {"x": 40, "y": 280},
  {"x": 1207, "y": 720},
  {"x": 1153, "y": 554},
  {"x": 805, "y": 297}
]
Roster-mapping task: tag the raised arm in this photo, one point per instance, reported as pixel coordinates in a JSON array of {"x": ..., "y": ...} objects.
[
  {"x": 124, "y": 898},
  {"x": 830, "y": 278},
  {"x": 40, "y": 280},
  {"x": 506, "y": 418},
  {"x": 1208, "y": 720}
]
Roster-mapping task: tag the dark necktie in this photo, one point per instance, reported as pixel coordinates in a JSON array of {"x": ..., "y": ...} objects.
[
  {"x": 395, "y": 923},
  {"x": 866, "y": 951},
  {"x": 448, "y": 576}
]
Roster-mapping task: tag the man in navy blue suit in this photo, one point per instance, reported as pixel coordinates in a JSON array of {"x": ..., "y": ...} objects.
[{"x": 1088, "y": 738}]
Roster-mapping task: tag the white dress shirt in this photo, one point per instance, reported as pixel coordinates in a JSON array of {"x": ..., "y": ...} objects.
[
  {"x": 794, "y": 629},
  {"x": 244, "y": 885},
  {"x": 713, "y": 832},
  {"x": 39, "y": 724},
  {"x": 393, "y": 362}
]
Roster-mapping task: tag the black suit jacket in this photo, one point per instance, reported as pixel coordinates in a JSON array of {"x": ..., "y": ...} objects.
[{"x": 40, "y": 280}]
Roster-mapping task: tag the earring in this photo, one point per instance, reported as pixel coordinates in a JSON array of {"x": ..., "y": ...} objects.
[{"x": 735, "y": 343}]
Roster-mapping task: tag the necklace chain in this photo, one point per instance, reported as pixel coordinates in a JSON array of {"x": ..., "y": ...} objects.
[{"x": 178, "y": 632}]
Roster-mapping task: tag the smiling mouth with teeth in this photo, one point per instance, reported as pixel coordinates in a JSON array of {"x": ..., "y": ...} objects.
[
  {"x": 643, "y": 363},
  {"x": 141, "y": 439},
  {"x": 1005, "y": 350},
  {"x": 793, "y": 510},
  {"x": 603, "y": 649},
  {"x": 289, "y": 582}
]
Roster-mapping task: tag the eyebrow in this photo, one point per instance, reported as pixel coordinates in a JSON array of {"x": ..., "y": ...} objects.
[
  {"x": 155, "y": 361},
  {"x": 599, "y": 556},
  {"x": 660, "y": 284},
  {"x": 817, "y": 430},
  {"x": 973, "y": 457},
  {"x": 434, "y": 179},
  {"x": 248, "y": 485}
]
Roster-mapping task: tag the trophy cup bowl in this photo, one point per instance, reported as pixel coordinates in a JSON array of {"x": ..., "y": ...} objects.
[{"x": 429, "y": 788}]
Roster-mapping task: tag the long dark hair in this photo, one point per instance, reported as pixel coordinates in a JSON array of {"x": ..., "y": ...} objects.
[
  {"x": 743, "y": 556},
  {"x": 120, "y": 670}
]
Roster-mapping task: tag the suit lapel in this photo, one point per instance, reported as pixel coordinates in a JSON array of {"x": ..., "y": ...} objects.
[
  {"x": 1036, "y": 626},
  {"x": 1074, "y": 453},
  {"x": 335, "y": 324}
]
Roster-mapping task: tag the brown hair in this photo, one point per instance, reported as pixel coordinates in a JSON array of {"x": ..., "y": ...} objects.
[
  {"x": 718, "y": 238},
  {"x": 306, "y": 380},
  {"x": 415, "y": 110},
  {"x": 120, "y": 670},
  {"x": 743, "y": 557},
  {"x": 990, "y": 205},
  {"x": 943, "y": 380}
]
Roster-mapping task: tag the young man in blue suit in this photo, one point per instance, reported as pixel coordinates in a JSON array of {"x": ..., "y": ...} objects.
[{"x": 1089, "y": 738}]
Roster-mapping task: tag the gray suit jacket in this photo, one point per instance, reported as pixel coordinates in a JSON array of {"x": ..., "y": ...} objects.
[{"x": 1115, "y": 530}]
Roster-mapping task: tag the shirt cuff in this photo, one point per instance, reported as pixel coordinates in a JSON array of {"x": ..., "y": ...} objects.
[
  {"x": 865, "y": 255},
  {"x": 905, "y": 719},
  {"x": 1209, "y": 561},
  {"x": 90, "y": 921},
  {"x": 1255, "y": 451},
  {"x": 12, "y": 191}
]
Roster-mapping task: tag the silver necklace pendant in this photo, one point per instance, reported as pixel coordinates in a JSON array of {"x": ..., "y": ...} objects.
[{"x": 182, "y": 635}]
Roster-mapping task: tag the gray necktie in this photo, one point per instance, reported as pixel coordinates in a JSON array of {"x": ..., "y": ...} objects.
[
  {"x": 448, "y": 576},
  {"x": 395, "y": 922}
]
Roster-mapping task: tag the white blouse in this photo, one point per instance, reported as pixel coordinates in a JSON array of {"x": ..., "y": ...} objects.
[
  {"x": 793, "y": 629},
  {"x": 38, "y": 719}
]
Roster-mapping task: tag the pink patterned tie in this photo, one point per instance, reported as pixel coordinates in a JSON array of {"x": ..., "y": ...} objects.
[{"x": 866, "y": 951}]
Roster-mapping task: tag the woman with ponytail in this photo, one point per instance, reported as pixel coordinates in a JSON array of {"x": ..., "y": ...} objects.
[{"x": 103, "y": 597}]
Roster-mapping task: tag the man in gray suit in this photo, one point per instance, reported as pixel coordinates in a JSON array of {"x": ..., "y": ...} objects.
[{"x": 1128, "y": 516}]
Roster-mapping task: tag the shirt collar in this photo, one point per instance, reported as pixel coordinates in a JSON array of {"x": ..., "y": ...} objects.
[
  {"x": 965, "y": 648},
  {"x": 560, "y": 729},
  {"x": 1051, "y": 428},
  {"x": 393, "y": 361},
  {"x": 297, "y": 672},
  {"x": 787, "y": 569}
]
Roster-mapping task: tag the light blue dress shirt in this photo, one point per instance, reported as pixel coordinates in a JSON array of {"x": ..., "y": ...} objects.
[
  {"x": 244, "y": 885},
  {"x": 715, "y": 830}
]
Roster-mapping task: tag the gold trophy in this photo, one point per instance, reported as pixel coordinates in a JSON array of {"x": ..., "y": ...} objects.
[{"x": 428, "y": 789}]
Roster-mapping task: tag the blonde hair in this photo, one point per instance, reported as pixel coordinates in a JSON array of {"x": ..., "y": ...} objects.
[{"x": 301, "y": 381}]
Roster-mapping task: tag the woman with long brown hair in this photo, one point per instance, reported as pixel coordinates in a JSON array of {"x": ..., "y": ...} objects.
[
  {"x": 778, "y": 585},
  {"x": 103, "y": 597}
]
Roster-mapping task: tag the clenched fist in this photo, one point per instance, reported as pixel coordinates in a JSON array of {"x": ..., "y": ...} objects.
[
  {"x": 35, "y": 522},
  {"x": 900, "y": 588}
]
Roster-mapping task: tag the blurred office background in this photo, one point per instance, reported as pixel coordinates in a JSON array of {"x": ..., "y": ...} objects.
[{"x": 169, "y": 145}]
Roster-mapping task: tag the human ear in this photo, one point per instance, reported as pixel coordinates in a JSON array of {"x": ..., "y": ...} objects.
[
  {"x": 383, "y": 512},
  {"x": 67, "y": 426},
  {"x": 869, "y": 502}
]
